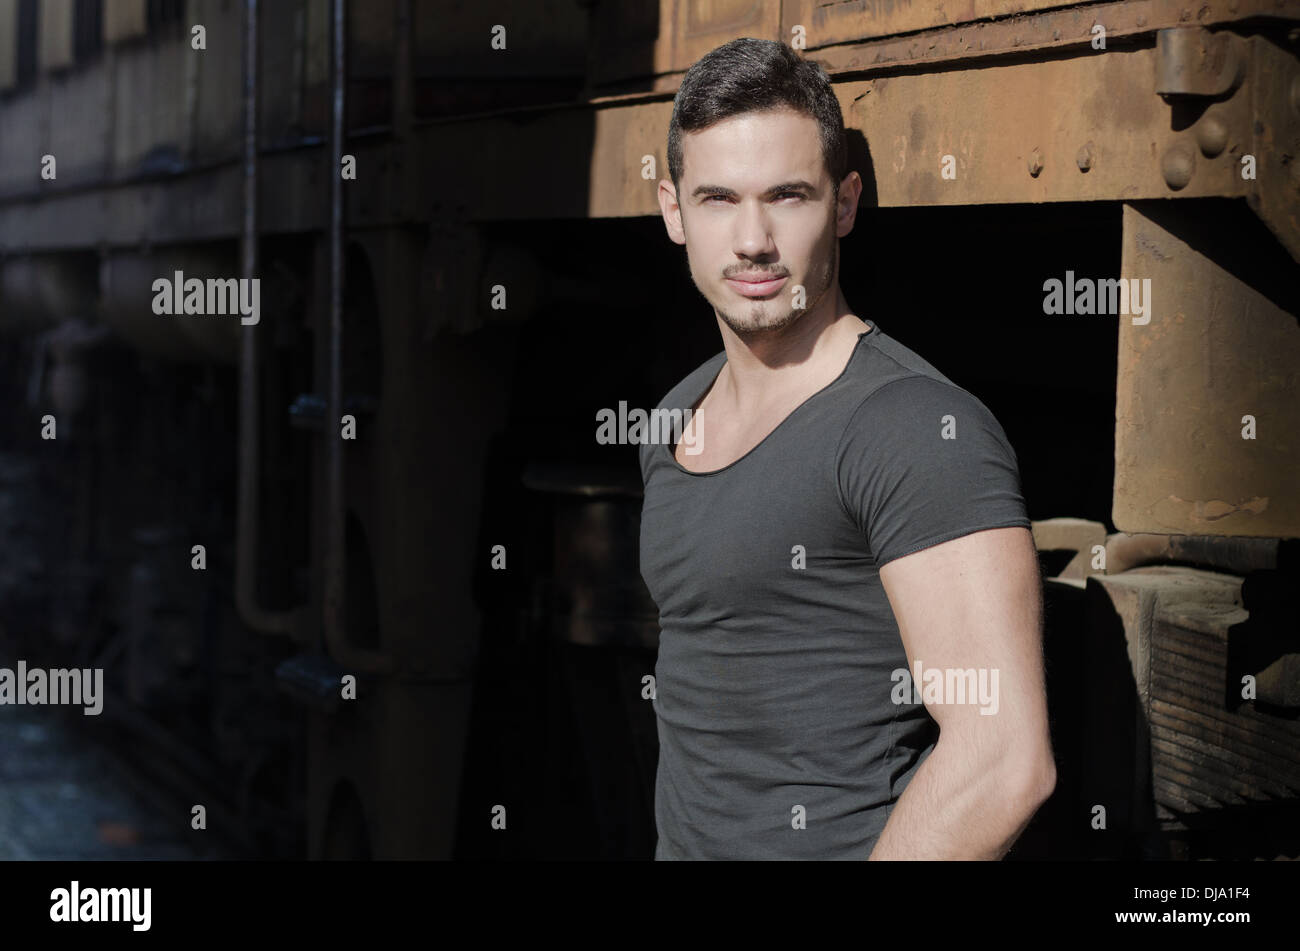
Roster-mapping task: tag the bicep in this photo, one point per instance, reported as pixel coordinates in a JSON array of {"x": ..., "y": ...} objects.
[{"x": 975, "y": 603}]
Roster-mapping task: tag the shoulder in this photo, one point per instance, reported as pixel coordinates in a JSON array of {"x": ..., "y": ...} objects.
[
  {"x": 913, "y": 404},
  {"x": 923, "y": 429},
  {"x": 908, "y": 424},
  {"x": 921, "y": 461},
  {"x": 896, "y": 393}
]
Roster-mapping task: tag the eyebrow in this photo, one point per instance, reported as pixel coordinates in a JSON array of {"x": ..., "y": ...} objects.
[{"x": 707, "y": 190}]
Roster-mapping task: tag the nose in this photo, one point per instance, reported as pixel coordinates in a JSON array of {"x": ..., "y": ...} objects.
[{"x": 753, "y": 231}]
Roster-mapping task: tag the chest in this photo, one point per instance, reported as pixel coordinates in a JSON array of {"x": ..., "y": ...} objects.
[
  {"x": 717, "y": 437},
  {"x": 766, "y": 535}
]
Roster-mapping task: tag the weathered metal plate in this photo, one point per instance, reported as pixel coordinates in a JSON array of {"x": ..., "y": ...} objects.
[
  {"x": 847, "y": 20},
  {"x": 1215, "y": 351},
  {"x": 1058, "y": 29},
  {"x": 642, "y": 39},
  {"x": 997, "y": 121}
]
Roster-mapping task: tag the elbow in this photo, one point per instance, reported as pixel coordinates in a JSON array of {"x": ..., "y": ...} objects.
[
  {"x": 1037, "y": 780},
  {"x": 1025, "y": 777}
]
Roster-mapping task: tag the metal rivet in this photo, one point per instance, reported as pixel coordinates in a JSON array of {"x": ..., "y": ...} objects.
[
  {"x": 1035, "y": 162},
  {"x": 1211, "y": 136},
  {"x": 1177, "y": 165},
  {"x": 1084, "y": 158}
]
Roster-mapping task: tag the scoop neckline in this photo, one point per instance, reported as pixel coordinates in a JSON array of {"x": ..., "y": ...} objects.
[{"x": 670, "y": 448}]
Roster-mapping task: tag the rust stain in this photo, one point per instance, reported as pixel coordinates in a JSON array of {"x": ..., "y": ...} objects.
[
  {"x": 924, "y": 188},
  {"x": 1211, "y": 510},
  {"x": 1147, "y": 245},
  {"x": 1120, "y": 102},
  {"x": 917, "y": 126}
]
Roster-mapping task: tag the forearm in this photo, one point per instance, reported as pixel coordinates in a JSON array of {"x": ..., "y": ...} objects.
[{"x": 960, "y": 807}]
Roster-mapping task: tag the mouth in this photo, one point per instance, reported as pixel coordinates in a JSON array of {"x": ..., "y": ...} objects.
[{"x": 756, "y": 288}]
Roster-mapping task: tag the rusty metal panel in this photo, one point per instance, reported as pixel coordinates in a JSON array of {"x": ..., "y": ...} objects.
[
  {"x": 626, "y": 40},
  {"x": 995, "y": 121},
  {"x": 592, "y": 160},
  {"x": 1062, "y": 29},
  {"x": 124, "y": 19},
  {"x": 1197, "y": 62},
  {"x": 846, "y": 20},
  {"x": 646, "y": 38},
  {"x": 625, "y": 136},
  {"x": 1107, "y": 141},
  {"x": 1213, "y": 357},
  {"x": 701, "y": 25},
  {"x": 1090, "y": 127},
  {"x": 1274, "y": 77},
  {"x": 54, "y": 33}
]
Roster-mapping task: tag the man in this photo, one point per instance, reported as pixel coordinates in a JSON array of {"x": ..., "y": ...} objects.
[{"x": 837, "y": 517}]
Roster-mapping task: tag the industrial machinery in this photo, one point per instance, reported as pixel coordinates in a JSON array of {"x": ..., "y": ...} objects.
[{"x": 391, "y": 471}]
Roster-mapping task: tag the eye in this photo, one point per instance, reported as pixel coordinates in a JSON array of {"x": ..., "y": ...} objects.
[{"x": 798, "y": 195}]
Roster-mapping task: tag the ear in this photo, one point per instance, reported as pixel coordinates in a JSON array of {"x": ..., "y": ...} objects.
[
  {"x": 846, "y": 211},
  {"x": 672, "y": 211}
]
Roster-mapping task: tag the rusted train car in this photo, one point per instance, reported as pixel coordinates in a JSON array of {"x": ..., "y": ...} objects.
[{"x": 442, "y": 204}]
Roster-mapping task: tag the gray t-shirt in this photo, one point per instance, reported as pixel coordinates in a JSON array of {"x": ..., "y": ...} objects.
[{"x": 775, "y": 671}]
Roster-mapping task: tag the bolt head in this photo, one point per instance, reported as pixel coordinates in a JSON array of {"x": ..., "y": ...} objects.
[
  {"x": 1211, "y": 136},
  {"x": 1177, "y": 165},
  {"x": 1035, "y": 162},
  {"x": 1084, "y": 157}
]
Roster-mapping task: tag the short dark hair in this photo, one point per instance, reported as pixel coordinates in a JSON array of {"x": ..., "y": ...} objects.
[{"x": 749, "y": 75}]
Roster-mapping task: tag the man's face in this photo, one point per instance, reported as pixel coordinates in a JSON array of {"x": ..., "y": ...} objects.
[{"x": 756, "y": 212}]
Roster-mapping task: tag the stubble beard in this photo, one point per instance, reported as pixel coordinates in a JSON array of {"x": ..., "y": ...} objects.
[{"x": 758, "y": 320}]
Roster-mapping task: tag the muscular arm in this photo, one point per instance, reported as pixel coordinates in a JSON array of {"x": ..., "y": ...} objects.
[{"x": 973, "y": 602}]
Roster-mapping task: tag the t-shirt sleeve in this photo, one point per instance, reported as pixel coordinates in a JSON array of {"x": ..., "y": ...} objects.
[{"x": 922, "y": 462}]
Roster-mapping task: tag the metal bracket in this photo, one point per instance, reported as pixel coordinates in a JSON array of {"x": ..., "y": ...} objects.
[{"x": 1192, "y": 61}]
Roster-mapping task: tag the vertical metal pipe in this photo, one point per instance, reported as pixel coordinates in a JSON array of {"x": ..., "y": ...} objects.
[
  {"x": 246, "y": 529},
  {"x": 332, "y": 616}
]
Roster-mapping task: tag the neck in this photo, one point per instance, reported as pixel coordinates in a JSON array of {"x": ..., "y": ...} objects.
[{"x": 766, "y": 366}]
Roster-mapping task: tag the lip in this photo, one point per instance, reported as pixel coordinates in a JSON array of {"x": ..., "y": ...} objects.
[{"x": 757, "y": 288}]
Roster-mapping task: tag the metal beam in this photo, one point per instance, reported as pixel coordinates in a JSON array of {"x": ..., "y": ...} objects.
[
  {"x": 1090, "y": 127},
  {"x": 1205, "y": 413}
]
